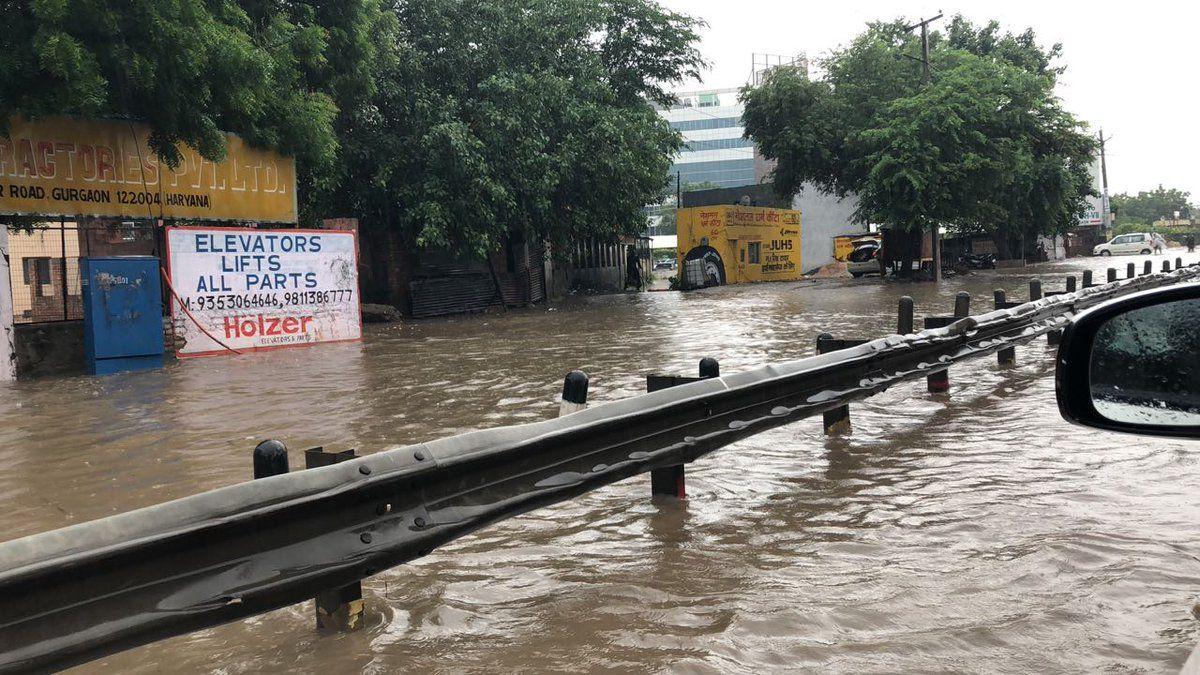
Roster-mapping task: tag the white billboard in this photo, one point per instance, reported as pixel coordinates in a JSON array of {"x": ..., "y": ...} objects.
[{"x": 237, "y": 290}]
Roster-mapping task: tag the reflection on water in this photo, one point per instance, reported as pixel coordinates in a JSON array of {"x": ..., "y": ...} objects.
[{"x": 976, "y": 531}]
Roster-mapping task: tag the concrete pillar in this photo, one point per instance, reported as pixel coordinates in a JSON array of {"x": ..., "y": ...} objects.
[
  {"x": 7, "y": 350},
  {"x": 904, "y": 316},
  {"x": 574, "y": 393},
  {"x": 1087, "y": 278},
  {"x": 1130, "y": 271},
  {"x": 1112, "y": 274},
  {"x": 1148, "y": 268},
  {"x": 1071, "y": 287}
]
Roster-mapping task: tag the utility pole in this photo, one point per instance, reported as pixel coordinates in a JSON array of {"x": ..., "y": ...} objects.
[
  {"x": 1106, "y": 213},
  {"x": 935, "y": 236}
]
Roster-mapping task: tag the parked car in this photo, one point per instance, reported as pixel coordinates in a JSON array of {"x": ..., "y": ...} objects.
[
  {"x": 864, "y": 259},
  {"x": 1137, "y": 242}
]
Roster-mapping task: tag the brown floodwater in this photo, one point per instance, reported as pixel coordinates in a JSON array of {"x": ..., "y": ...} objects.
[{"x": 971, "y": 532}]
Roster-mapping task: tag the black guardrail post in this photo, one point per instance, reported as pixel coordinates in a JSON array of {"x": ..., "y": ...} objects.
[
  {"x": 837, "y": 421},
  {"x": 270, "y": 459},
  {"x": 1178, "y": 263},
  {"x": 1112, "y": 275},
  {"x": 904, "y": 320},
  {"x": 671, "y": 481},
  {"x": 1130, "y": 271},
  {"x": 1035, "y": 289},
  {"x": 1166, "y": 266},
  {"x": 1071, "y": 287},
  {"x": 338, "y": 609},
  {"x": 1148, "y": 268},
  {"x": 574, "y": 393},
  {"x": 1087, "y": 279},
  {"x": 1008, "y": 355}
]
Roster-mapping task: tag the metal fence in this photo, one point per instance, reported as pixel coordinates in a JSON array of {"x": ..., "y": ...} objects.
[
  {"x": 75, "y": 594},
  {"x": 44, "y": 263}
]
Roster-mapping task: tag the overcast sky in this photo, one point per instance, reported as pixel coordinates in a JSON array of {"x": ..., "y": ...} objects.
[{"x": 1131, "y": 67}]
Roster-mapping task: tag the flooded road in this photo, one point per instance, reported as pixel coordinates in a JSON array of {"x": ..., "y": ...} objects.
[{"x": 970, "y": 532}]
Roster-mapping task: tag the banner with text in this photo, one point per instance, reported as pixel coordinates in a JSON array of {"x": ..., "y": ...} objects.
[
  {"x": 64, "y": 166},
  {"x": 245, "y": 289}
]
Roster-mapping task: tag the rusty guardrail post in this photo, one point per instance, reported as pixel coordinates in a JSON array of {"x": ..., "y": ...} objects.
[
  {"x": 939, "y": 382},
  {"x": 1087, "y": 279},
  {"x": 1112, "y": 275},
  {"x": 337, "y": 609},
  {"x": 574, "y": 393},
  {"x": 671, "y": 481},
  {"x": 836, "y": 421}
]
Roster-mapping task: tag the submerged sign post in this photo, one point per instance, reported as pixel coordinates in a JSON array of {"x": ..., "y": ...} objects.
[{"x": 243, "y": 290}]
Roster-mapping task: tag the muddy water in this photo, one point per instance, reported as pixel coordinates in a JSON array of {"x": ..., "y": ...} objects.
[{"x": 969, "y": 532}]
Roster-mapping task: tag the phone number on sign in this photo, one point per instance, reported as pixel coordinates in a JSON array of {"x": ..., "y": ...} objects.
[{"x": 261, "y": 300}]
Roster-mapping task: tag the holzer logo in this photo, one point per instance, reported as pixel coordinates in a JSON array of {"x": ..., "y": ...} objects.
[
  {"x": 259, "y": 326},
  {"x": 785, "y": 231}
]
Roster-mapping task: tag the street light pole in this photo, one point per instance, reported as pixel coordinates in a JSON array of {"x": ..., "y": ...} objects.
[{"x": 935, "y": 236}]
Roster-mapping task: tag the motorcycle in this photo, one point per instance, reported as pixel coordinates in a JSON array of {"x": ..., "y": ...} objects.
[{"x": 980, "y": 261}]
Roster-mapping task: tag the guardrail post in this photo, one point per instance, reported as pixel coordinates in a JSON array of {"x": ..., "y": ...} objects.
[
  {"x": 1130, "y": 271},
  {"x": 1148, "y": 268},
  {"x": 1179, "y": 263},
  {"x": 1112, "y": 275},
  {"x": 1166, "y": 266},
  {"x": 270, "y": 459},
  {"x": 904, "y": 321},
  {"x": 1071, "y": 287},
  {"x": 574, "y": 394},
  {"x": 670, "y": 481},
  {"x": 837, "y": 421},
  {"x": 939, "y": 382},
  {"x": 1087, "y": 279},
  {"x": 1035, "y": 290},
  {"x": 338, "y": 609},
  {"x": 1008, "y": 355}
]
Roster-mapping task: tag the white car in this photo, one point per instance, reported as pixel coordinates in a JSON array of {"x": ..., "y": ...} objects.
[
  {"x": 864, "y": 259},
  {"x": 1137, "y": 242}
]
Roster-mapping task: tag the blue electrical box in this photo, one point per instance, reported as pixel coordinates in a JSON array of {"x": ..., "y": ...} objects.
[{"x": 122, "y": 314}]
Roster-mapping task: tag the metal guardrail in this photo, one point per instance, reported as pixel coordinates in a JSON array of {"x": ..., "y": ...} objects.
[{"x": 71, "y": 595}]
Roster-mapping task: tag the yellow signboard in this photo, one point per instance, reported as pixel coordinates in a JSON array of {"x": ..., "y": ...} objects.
[
  {"x": 63, "y": 166},
  {"x": 741, "y": 244}
]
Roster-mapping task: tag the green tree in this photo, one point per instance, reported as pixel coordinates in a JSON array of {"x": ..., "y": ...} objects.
[
  {"x": 667, "y": 210},
  {"x": 1148, "y": 206},
  {"x": 982, "y": 147},
  {"x": 269, "y": 70},
  {"x": 532, "y": 116}
]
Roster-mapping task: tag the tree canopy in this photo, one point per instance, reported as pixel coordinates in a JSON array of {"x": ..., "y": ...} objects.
[
  {"x": 985, "y": 146},
  {"x": 267, "y": 69},
  {"x": 1148, "y": 206},
  {"x": 515, "y": 115}
]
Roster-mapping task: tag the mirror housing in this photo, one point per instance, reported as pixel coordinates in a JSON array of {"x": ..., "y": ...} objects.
[{"x": 1073, "y": 373}]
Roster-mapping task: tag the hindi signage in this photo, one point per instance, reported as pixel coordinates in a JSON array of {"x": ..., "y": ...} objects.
[{"x": 241, "y": 289}]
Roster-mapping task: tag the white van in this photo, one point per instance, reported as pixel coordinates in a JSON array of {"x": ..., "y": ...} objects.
[{"x": 1137, "y": 242}]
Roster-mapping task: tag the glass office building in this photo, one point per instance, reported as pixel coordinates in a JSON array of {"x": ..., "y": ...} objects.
[{"x": 714, "y": 150}]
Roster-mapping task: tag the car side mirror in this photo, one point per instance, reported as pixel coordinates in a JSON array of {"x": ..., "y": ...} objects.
[{"x": 1133, "y": 364}]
